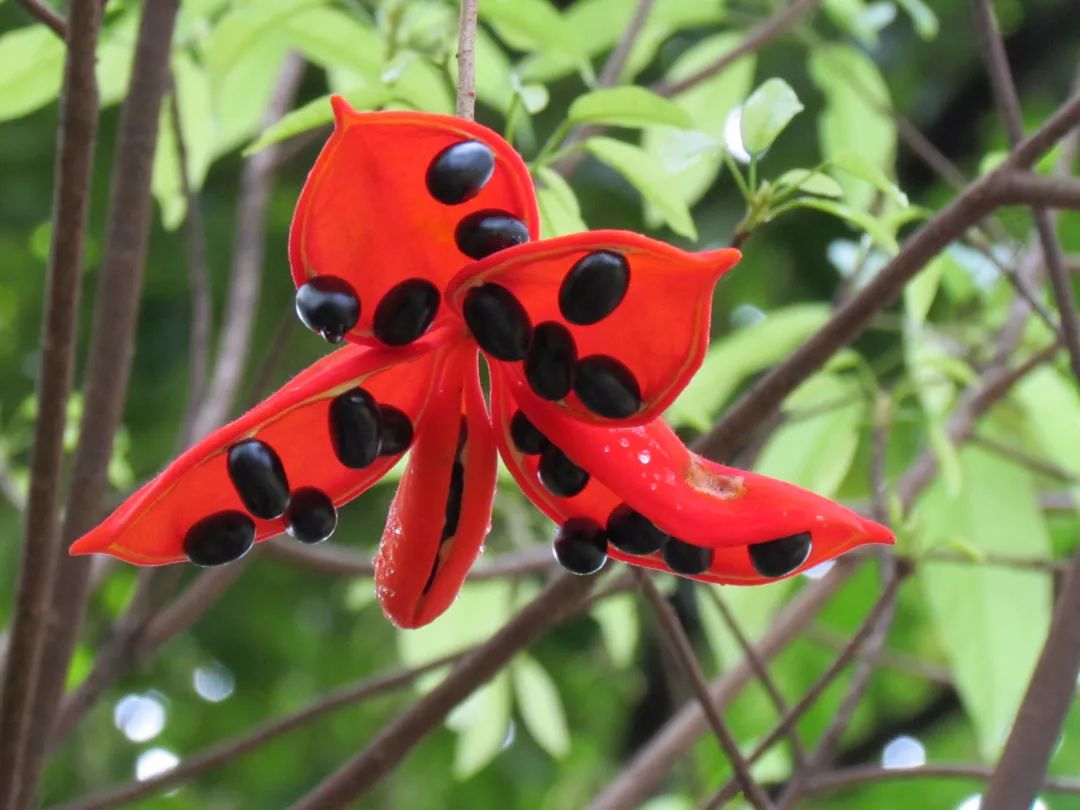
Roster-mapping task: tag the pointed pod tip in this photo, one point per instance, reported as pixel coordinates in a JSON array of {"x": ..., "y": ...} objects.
[
  {"x": 343, "y": 111},
  {"x": 722, "y": 260},
  {"x": 876, "y": 533},
  {"x": 91, "y": 543}
]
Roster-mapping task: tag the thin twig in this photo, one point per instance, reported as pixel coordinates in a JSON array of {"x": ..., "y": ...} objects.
[
  {"x": 228, "y": 751},
  {"x": 760, "y": 668},
  {"x": 674, "y": 638},
  {"x": 111, "y": 348},
  {"x": 852, "y": 777},
  {"x": 560, "y": 599},
  {"x": 47, "y": 16},
  {"x": 465, "y": 106},
  {"x": 875, "y": 618},
  {"x": 1024, "y": 459},
  {"x": 902, "y": 663},
  {"x": 616, "y": 61},
  {"x": 71, "y": 195}
]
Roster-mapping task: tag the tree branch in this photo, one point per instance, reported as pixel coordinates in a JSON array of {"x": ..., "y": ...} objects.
[
  {"x": 852, "y": 777},
  {"x": 465, "y": 106},
  {"x": 48, "y": 17},
  {"x": 111, "y": 349},
  {"x": 71, "y": 195},
  {"x": 385, "y": 751}
]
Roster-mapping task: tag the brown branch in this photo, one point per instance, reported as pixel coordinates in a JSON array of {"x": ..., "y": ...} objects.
[
  {"x": 616, "y": 61},
  {"x": 384, "y": 752},
  {"x": 71, "y": 195},
  {"x": 1050, "y": 192},
  {"x": 852, "y": 777},
  {"x": 249, "y": 251},
  {"x": 647, "y": 768},
  {"x": 761, "y": 670},
  {"x": 465, "y": 106},
  {"x": 48, "y": 17},
  {"x": 228, "y": 751},
  {"x": 1034, "y": 463},
  {"x": 109, "y": 364},
  {"x": 673, "y": 636},
  {"x": 880, "y": 614},
  {"x": 900, "y": 662}
]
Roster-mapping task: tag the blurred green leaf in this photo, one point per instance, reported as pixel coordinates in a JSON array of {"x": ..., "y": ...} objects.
[
  {"x": 920, "y": 292},
  {"x": 693, "y": 157},
  {"x": 810, "y": 182},
  {"x": 873, "y": 227},
  {"x": 240, "y": 97},
  {"x": 766, "y": 113},
  {"x": 530, "y": 25},
  {"x": 559, "y": 210},
  {"x": 991, "y": 619},
  {"x": 540, "y": 705},
  {"x": 649, "y": 178},
  {"x": 855, "y": 118},
  {"x": 627, "y": 107},
  {"x": 1052, "y": 403},
  {"x": 31, "y": 62},
  {"x": 481, "y": 722},
  {"x": 243, "y": 28},
  {"x": 619, "y": 627},
  {"x": 815, "y": 447},
  {"x": 926, "y": 22},
  {"x": 315, "y": 113},
  {"x": 858, "y": 166},
  {"x": 734, "y": 357}
]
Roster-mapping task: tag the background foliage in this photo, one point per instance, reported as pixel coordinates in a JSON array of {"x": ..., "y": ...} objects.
[{"x": 817, "y": 186}]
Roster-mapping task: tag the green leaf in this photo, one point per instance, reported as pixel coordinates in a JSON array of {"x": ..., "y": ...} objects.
[
  {"x": 619, "y": 627},
  {"x": 315, "y": 113},
  {"x": 766, "y": 113},
  {"x": 559, "y": 210},
  {"x": 991, "y": 619},
  {"x": 197, "y": 123},
  {"x": 816, "y": 447},
  {"x": 649, "y": 178},
  {"x": 530, "y": 25},
  {"x": 858, "y": 166},
  {"x": 241, "y": 96},
  {"x": 243, "y": 28},
  {"x": 333, "y": 39},
  {"x": 736, "y": 356},
  {"x": 114, "y": 55},
  {"x": 1052, "y": 403},
  {"x": 540, "y": 706},
  {"x": 693, "y": 157},
  {"x": 481, "y": 722},
  {"x": 32, "y": 61},
  {"x": 855, "y": 118},
  {"x": 753, "y": 608},
  {"x": 811, "y": 182},
  {"x": 873, "y": 227},
  {"x": 627, "y": 107},
  {"x": 926, "y": 22}
]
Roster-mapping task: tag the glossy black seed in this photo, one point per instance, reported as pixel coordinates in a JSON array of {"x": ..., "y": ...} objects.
[
  {"x": 485, "y": 232},
  {"x": 453, "y": 500},
  {"x": 778, "y": 558},
  {"x": 683, "y": 558},
  {"x": 498, "y": 321},
  {"x": 328, "y": 306},
  {"x": 549, "y": 364},
  {"x": 311, "y": 516},
  {"x": 458, "y": 172},
  {"x": 525, "y": 436},
  {"x": 396, "y": 432},
  {"x": 406, "y": 312},
  {"x": 593, "y": 288},
  {"x": 580, "y": 546},
  {"x": 633, "y": 533},
  {"x": 219, "y": 539},
  {"x": 355, "y": 428},
  {"x": 559, "y": 474},
  {"x": 607, "y": 387},
  {"x": 259, "y": 478}
]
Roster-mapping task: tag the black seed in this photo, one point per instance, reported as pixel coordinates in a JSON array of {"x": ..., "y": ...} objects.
[
  {"x": 485, "y": 232},
  {"x": 607, "y": 387},
  {"x": 778, "y": 558},
  {"x": 355, "y": 428},
  {"x": 683, "y": 558},
  {"x": 406, "y": 312},
  {"x": 328, "y": 306},
  {"x": 580, "y": 546},
  {"x": 549, "y": 365},
  {"x": 259, "y": 478},
  {"x": 559, "y": 474},
  {"x": 453, "y": 501},
  {"x": 594, "y": 287},
  {"x": 498, "y": 321},
  {"x": 397, "y": 431},
  {"x": 633, "y": 533},
  {"x": 311, "y": 516},
  {"x": 219, "y": 539},
  {"x": 458, "y": 172},
  {"x": 525, "y": 436}
]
